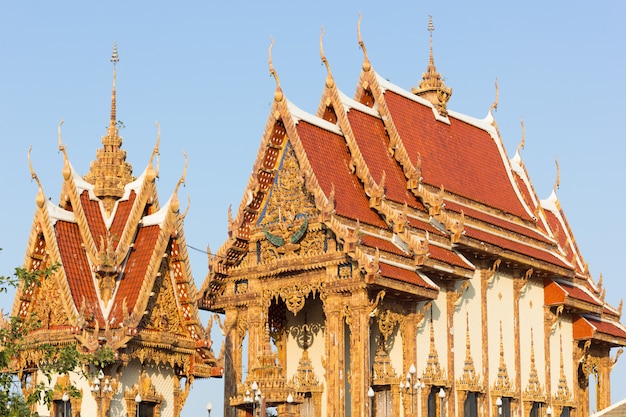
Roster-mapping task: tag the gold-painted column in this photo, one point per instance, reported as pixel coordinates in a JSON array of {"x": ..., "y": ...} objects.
[
  {"x": 451, "y": 298},
  {"x": 360, "y": 353},
  {"x": 408, "y": 330},
  {"x": 232, "y": 361},
  {"x": 334, "y": 350},
  {"x": 519, "y": 283}
]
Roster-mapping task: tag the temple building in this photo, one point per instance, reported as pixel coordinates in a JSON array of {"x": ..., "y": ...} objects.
[
  {"x": 124, "y": 287},
  {"x": 389, "y": 258}
]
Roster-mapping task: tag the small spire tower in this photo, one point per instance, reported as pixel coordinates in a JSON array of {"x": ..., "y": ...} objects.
[
  {"x": 432, "y": 87},
  {"x": 110, "y": 172}
]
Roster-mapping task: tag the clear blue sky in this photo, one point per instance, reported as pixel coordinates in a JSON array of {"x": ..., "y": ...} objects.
[{"x": 200, "y": 69}]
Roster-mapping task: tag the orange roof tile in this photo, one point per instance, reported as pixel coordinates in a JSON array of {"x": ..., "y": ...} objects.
[
  {"x": 135, "y": 270},
  {"x": 350, "y": 199},
  {"x": 462, "y": 157},
  {"x": 121, "y": 216},
  {"x": 94, "y": 218},
  {"x": 371, "y": 137},
  {"x": 77, "y": 270}
]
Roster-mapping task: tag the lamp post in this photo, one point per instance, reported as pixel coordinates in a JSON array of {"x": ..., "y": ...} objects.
[
  {"x": 289, "y": 402},
  {"x": 419, "y": 386},
  {"x": 549, "y": 411},
  {"x": 442, "y": 395},
  {"x": 102, "y": 390},
  {"x": 65, "y": 398},
  {"x": 499, "y": 405},
  {"x": 209, "y": 407},
  {"x": 370, "y": 394},
  {"x": 138, "y": 401},
  {"x": 256, "y": 396}
]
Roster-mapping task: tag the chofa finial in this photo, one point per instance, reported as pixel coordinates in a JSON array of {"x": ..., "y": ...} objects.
[
  {"x": 278, "y": 94},
  {"x": 329, "y": 77},
  {"x": 366, "y": 62}
]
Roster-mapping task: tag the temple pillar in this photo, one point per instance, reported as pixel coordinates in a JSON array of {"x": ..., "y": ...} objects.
[
  {"x": 603, "y": 387},
  {"x": 233, "y": 361},
  {"x": 334, "y": 352},
  {"x": 452, "y": 296},
  {"x": 360, "y": 353}
]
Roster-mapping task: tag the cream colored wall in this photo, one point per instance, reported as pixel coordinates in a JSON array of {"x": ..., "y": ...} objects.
[
  {"x": 468, "y": 307},
  {"x": 439, "y": 315},
  {"x": 316, "y": 350},
  {"x": 500, "y": 309},
  {"x": 532, "y": 317},
  {"x": 562, "y": 331}
]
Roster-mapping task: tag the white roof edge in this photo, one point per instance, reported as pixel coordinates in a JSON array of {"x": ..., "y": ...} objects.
[
  {"x": 609, "y": 408},
  {"x": 56, "y": 213},
  {"x": 299, "y": 114},
  {"x": 350, "y": 103}
]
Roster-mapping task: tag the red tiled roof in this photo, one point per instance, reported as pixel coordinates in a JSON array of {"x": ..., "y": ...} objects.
[
  {"x": 586, "y": 327},
  {"x": 559, "y": 292},
  {"x": 121, "y": 216},
  {"x": 371, "y": 137},
  {"x": 514, "y": 246},
  {"x": 401, "y": 274},
  {"x": 462, "y": 157},
  {"x": 135, "y": 270},
  {"x": 496, "y": 221},
  {"x": 350, "y": 199},
  {"x": 76, "y": 266},
  {"x": 94, "y": 218}
]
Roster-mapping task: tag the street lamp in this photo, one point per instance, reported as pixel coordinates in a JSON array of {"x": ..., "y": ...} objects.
[
  {"x": 442, "y": 395},
  {"x": 65, "y": 398},
  {"x": 289, "y": 402},
  {"x": 370, "y": 394},
  {"x": 138, "y": 401},
  {"x": 209, "y": 407},
  {"x": 102, "y": 391},
  {"x": 549, "y": 411},
  {"x": 419, "y": 386},
  {"x": 499, "y": 405},
  {"x": 256, "y": 396}
]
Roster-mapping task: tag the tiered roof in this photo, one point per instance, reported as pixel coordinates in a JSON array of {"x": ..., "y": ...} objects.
[
  {"x": 414, "y": 191},
  {"x": 124, "y": 279}
]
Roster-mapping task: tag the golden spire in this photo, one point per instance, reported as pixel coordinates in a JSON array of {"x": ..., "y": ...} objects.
[
  {"x": 114, "y": 59},
  {"x": 432, "y": 87},
  {"x": 278, "y": 94},
  {"x": 110, "y": 172},
  {"x": 366, "y": 61},
  {"x": 329, "y": 77}
]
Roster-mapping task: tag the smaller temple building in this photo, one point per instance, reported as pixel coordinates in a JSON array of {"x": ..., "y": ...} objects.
[
  {"x": 124, "y": 287},
  {"x": 389, "y": 258}
]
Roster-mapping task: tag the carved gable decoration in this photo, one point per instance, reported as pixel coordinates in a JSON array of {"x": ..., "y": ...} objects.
[
  {"x": 287, "y": 216},
  {"x": 163, "y": 312}
]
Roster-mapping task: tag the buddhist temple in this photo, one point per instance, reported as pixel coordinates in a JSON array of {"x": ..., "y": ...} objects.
[
  {"x": 123, "y": 286},
  {"x": 390, "y": 258}
]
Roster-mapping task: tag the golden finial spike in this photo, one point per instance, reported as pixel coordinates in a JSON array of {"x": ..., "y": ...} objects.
[
  {"x": 181, "y": 181},
  {"x": 269, "y": 57},
  {"x": 431, "y": 29},
  {"x": 61, "y": 147},
  {"x": 557, "y": 183},
  {"x": 494, "y": 106},
  {"x": 155, "y": 151},
  {"x": 40, "y": 199},
  {"x": 523, "y": 141},
  {"x": 329, "y": 77},
  {"x": 366, "y": 62},
  {"x": 114, "y": 59}
]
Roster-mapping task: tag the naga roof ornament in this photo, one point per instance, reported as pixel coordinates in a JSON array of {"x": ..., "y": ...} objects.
[{"x": 432, "y": 87}]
